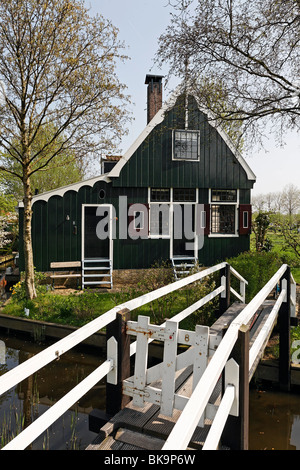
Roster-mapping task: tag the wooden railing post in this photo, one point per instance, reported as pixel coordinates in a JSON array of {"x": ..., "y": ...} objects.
[
  {"x": 225, "y": 295},
  {"x": 284, "y": 323},
  {"x": 115, "y": 400},
  {"x": 236, "y": 431}
]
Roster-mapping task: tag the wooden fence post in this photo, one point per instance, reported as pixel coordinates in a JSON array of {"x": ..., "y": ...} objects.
[
  {"x": 236, "y": 431},
  {"x": 284, "y": 322},
  {"x": 225, "y": 295},
  {"x": 115, "y": 400}
]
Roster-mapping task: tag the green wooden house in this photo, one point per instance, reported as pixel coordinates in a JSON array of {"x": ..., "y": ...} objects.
[{"x": 181, "y": 192}]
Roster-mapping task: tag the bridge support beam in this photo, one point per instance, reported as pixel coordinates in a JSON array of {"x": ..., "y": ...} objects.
[
  {"x": 236, "y": 431},
  {"x": 225, "y": 295},
  {"x": 115, "y": 400},
  {"x": 284, "y": 322}
]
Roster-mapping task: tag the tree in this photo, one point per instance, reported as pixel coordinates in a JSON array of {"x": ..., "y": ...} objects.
[
  {"x": 57, "y": 65},
  {"x": 289, "y": 228},
  {"x": 250, "y": 47},
  {"x": 260, "y": 226},
  {"x": 65, "y": 169},
  {"x": 258, "y": 202},
  {"x": 290, "y": 199}
]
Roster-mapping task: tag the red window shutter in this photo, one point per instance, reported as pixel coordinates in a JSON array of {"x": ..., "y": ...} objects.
[
  {"x": 245, "y": 213},
  {"x": 138, "y": 232},
  {"x": 207, "y": 219}
]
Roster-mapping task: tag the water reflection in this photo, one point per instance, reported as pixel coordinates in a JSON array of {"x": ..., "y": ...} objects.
[
  {"x": 274, "y": 420},
  {"x": 274, "y": 416},
  {"x": 32, "y": 397}
]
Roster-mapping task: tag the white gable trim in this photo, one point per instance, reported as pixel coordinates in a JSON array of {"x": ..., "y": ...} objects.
[
  {"x": 70, "y": 187},
  {"x": 159, "y": 117}
]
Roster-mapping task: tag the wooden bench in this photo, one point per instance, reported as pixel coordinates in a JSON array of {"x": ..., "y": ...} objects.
[{"x": 64, "y": 266}]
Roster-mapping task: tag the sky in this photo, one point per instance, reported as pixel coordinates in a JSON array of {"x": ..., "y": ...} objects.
[{"x": 140, "y": 23}]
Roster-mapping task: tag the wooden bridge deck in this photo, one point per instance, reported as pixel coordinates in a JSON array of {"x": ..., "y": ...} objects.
[{"x": 145, "y": 428}]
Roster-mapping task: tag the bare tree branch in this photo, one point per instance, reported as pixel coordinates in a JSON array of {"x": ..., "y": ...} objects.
[{"x": 250, "y": 48}]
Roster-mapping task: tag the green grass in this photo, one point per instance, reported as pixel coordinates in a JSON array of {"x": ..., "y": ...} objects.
[
  {"x": 286, "y": 254},
  {"x": 79, "y": 308}
]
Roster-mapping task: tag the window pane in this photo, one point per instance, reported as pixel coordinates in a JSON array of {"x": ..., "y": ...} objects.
[
  {"x": 223, "y": 219},
  {"x": 184, "y": 194},
  {"x": 228, "y": 195},
  {"x": 160, "y": 195},
  {"x": 159, "y": 219},
  {"x": 186, "y": 145}
]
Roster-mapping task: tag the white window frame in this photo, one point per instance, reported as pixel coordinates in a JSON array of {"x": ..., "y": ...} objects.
[
  {"x": 247, "y": 216},
  {"x": 159, "y": 203},
  {"x": 171, "y": 205},
  {"x": 198, "y": 148},
  {"x": 203, "y": 220},
  {"x": 225, "y": 203}
]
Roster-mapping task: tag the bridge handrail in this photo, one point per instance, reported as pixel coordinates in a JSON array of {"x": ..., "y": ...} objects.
[
  {"x": 197, "y": 403},
  {"x": 53, "y": 352},
  {"x": 43, "y": 422}
]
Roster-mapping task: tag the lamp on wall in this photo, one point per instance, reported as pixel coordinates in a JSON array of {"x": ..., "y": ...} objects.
[{"x": 67, "y": 217}]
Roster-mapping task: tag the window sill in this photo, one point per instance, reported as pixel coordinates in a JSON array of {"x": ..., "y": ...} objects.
[
  {"x": 222, "y": 235},
  {"x": 155, "y": 237}
]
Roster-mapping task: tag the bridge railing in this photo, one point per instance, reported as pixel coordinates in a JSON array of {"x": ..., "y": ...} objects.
[
  {"x": 198, "y": 401},
  {"x": 108, "y": 367}
]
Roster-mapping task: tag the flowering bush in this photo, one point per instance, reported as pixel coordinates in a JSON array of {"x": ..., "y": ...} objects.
[
  {"x": 8, "y": 224},
  {"x": 4, "y": 234},
  {"x": 18, "y": 290}
]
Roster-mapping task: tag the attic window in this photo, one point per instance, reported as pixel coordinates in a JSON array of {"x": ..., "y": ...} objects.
[{"x": 186, "y": 145}]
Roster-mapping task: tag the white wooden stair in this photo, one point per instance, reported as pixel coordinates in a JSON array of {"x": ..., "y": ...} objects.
[
  {"x": 182, "y": 266},
  {"x": 97, "y": 272}
]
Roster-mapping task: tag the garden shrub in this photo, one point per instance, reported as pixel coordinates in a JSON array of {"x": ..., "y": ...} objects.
[{"x": 257, "y": 268}]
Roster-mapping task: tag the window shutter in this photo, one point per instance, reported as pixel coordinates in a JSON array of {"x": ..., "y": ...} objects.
[
  {"x": 132, "y": 230},
  {"x": 245, "y": 213},
  {"x": 207, "y": 219}
]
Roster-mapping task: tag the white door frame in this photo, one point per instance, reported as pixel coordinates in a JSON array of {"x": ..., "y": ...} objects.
[{"x": 110, "y": 244}]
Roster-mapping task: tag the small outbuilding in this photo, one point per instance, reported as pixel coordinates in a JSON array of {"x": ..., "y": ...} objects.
[{"x": 181, "y": 193}]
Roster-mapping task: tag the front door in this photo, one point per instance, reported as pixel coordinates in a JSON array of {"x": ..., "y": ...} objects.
[
  {"x": 183, "y": 236},
  {"x": 97, "y": 233}
]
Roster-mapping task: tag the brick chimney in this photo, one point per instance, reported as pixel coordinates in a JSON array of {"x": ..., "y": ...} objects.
[{"x": 154, "y": 95}]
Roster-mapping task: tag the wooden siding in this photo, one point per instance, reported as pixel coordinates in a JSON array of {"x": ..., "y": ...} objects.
[
  {"x": 57, "y": 239},
  {"x": 152, "y": 164}
]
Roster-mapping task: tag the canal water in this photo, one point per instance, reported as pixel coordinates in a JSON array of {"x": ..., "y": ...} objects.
[
  {"x": 274, "y": 420},
  {"x": 27, "y": 401},
  {"x": 274, "y": 416}
]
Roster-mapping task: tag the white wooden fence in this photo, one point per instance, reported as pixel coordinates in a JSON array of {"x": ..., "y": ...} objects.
[
  {"x": 193, "y": 408},
  {"x": 198, "y": 401}
]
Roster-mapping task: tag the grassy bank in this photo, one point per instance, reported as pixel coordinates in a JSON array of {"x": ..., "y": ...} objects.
[{"x": 80, "y": 307}]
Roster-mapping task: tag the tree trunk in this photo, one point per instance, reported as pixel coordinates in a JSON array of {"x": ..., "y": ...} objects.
[{"x": 28, "y": 252}]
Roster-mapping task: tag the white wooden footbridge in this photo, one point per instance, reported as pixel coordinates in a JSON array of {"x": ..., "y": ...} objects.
[{"x": 197, "y": 397}]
